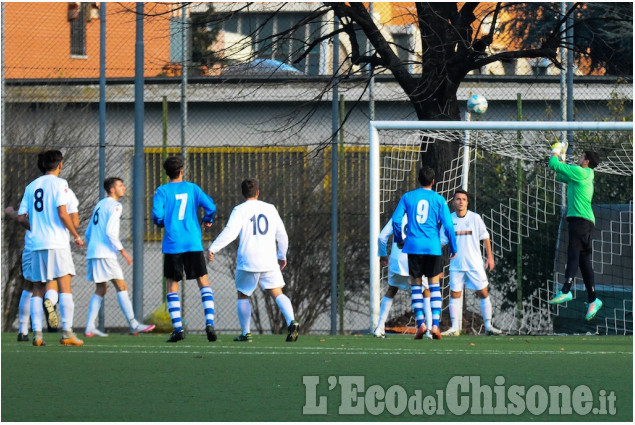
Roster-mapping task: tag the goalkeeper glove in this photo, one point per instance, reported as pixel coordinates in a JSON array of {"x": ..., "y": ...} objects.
[{"x": 560, "y": 149}]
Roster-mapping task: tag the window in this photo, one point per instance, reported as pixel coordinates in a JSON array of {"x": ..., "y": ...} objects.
[{"x": 77, "y": 17}]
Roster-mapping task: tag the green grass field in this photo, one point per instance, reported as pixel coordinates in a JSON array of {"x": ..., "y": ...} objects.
[{"x": 126, "y": 378}]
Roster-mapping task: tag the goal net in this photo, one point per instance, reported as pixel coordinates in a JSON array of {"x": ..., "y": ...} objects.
[{"x": 503, "y": 166}]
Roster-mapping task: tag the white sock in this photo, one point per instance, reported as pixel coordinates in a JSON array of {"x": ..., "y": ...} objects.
[
  {"x": 52, "y": 295},
  {"x": 37, "y": 313},
  {"x": 126, "y": 308},
  {"x": 427, "y": 310},
  {"x": 285, "y": 307},
  {"x": 24, "y": 311},
  {"x": 67, "y": 308},
  {"x": 486, "y": 311},
  {"x": 243, "y": 307},
  {"x": 456, "y": 309},
  {"x": 93, "y": 310},
  {"x": 386, "y": 304}
]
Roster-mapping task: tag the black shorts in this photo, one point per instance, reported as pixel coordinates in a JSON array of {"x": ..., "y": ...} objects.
[
  {"x": 193, "y": 263},
  {"x": 580, "y": 231},
  {"x": 424, "y": 265}
]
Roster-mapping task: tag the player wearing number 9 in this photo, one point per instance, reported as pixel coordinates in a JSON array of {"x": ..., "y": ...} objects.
[
  {"x": 259, "y": 261},
  {"x": 425, "y": 209},
  {"x": 175, "y": 206}
]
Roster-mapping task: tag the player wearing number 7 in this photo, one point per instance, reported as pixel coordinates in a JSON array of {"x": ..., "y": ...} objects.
[
  {"x": 425, "y": 210},
  {"x": 260, "y": 228},
  {"x": 175, "y": 206}
]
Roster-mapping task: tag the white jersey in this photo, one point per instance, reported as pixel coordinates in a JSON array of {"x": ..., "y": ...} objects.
[
  {"x": 102, "y": 233},
  {"x": 398, "y": 262},
  {"x": 470, "y": 231},
  {"x": 41, "y": 199},
  {"x": 260, "y": 227}
]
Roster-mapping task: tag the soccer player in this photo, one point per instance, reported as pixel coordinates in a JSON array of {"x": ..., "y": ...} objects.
[
  {"x": 579, "y": 178},
  {"x": 43, "y": 206},
  {"x": 425, "y": 209},
  {"x": 103, "y": 245},
  {"x": 398, "y": 278},
  {"x": 260, "y": 227},
  {"x": 175, "y": 207},
  {"x": 467, "y": 269}
]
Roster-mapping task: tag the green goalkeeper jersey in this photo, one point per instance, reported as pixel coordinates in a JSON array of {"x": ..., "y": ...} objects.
[{"x": 579, "y": 182}]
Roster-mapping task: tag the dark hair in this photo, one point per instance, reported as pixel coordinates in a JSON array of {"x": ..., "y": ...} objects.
[
  {"x": 456, "y": 192},
  {"x": 593, "y": 158},
  {"x": 249, "y": 187},
  {"x": 173, "y": 166},
  {"x": 109, "y": 183},
  {"x": 49, "y": 160},
  {"x": 426, "y": 176}
]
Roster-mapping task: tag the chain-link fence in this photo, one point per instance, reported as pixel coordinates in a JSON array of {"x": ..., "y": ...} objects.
[{"x": 275, "y": 126}]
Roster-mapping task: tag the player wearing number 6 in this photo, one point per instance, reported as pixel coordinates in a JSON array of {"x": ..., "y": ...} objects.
[
  {"x": 425, "y": 210},
  {"x": 175, "y": 206},
  {"x": 260, "y": 227}
]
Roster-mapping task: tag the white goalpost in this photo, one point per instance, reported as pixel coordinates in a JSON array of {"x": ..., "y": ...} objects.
[{"x": 515, "y": 214}]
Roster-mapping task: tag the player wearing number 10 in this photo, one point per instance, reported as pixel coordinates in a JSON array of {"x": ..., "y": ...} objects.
[
  {"x": 175, "y": 206},
  {"x": 425, "y": 209},
  {"x": 260, "y": 227}
]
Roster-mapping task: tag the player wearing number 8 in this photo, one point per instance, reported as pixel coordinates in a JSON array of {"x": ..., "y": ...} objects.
[
  {"x": 175, "y": 206},
  {"x": 425, "y": 209},
  {"x": 260, "y": 228}
]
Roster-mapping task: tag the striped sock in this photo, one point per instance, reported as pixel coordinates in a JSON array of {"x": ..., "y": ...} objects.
[
  {"x": 174, "y": 307},
  {"x": 435, "y": 303},
  {"x": 208, "y": 304},
  {"x": 416, "y": 299}
]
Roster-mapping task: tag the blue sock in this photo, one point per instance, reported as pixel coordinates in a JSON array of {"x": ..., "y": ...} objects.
[
  {"x": 416, "y": 299},
  {"x": 435, "y": 303},
  {"x": 174, "y": 307},
  {"x": 208, "y": 304}
]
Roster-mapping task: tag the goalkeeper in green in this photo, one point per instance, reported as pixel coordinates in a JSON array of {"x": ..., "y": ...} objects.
[{"x": 579, "y": 178}]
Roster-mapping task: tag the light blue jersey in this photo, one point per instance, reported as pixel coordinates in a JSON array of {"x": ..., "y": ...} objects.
[
  {"x": 175, "y": 206},
  {"x": 425, "y": 209}
]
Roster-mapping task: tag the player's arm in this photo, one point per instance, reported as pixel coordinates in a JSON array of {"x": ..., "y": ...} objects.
[
  {"x": 72, "y": 207},
  {"x": 227, "y": 236},
  {"x": 208, "y": 205},
  {"x": 446, "y": 222},
  {"x": 158, "y": 209},
  {"x": 397, "y": 217},
  {"x": 23, "y": 219},
  {"x": 384, "y": 235},
  {"x": 68, "y": 222},
  {"x": 112, "y": 233},
  {"x": 283, "y": 243},
  {"x": 484, "y": 236}
]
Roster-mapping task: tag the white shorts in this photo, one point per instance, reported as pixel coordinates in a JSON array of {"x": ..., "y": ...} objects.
[
  {"x": 246, "y": 282},
  {"x": 26, "y": 265},
  {"x": 473, "y": 279},
  {"x": 398, "y": 281},
  {"x": 49, "y": 264},
  {"x": 100, "y": 270}
]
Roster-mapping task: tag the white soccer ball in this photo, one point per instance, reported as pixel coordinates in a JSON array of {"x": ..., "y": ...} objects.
[{"x": 477, "y": 104}]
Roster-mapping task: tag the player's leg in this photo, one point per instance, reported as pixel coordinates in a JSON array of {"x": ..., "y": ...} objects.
[
  {"x": 51, "y": 298},
  {"x": 93, "y": 309},
  {"x": 586, "y": 268},
  {"x": 24, "y": 307},
  {"x": 384, "y": 309},
  {"x": 246, "y": 283},
  {"x": 37, "y": 313},
  {"x": 273, "y": 282},
  {"x": 427, "y": 307},
  {"x": 67, "y": 311},
  {"x": 455, "y": 304},
  {"x": 173, "y": 273},
  {"x": 24, "y": 311},
  {"x": 436, "y": 301},
  {"x": 416, "y": 293},
  {"x": 573, "y": 261},
  {"x": 486, "y": 312},
  {"x": 196, "y": 267},
  {"x": 126, "y": 308}
]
